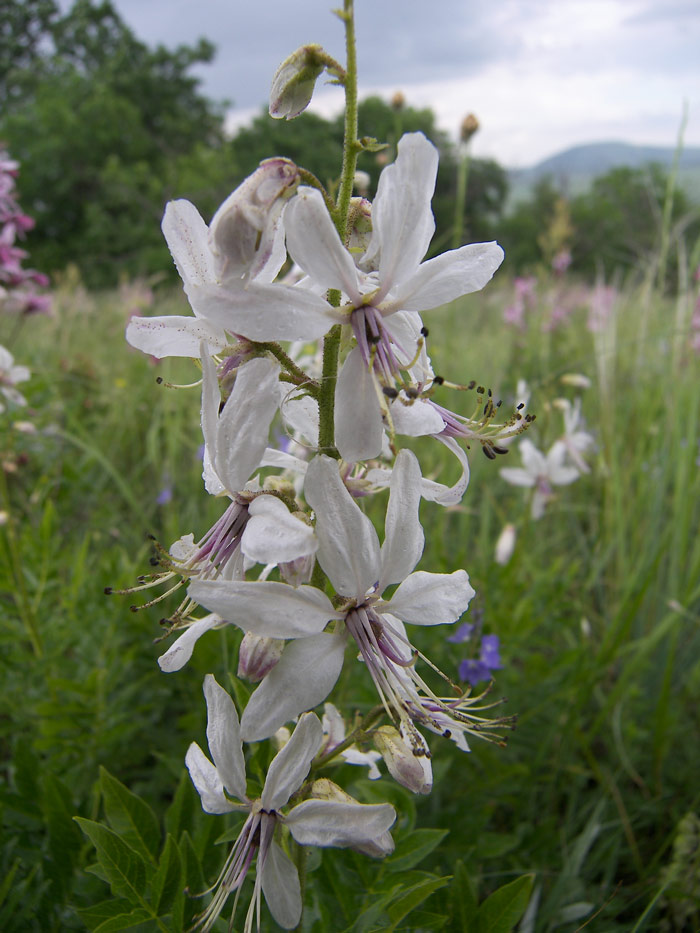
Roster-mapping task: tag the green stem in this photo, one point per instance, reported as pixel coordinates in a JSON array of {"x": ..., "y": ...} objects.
[
  {"x": 351, "y": 149},
  {"x": 299, "y": 376},
  {"x": 462, "y": 176}
]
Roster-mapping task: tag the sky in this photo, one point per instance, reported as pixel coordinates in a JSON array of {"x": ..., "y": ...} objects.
[{"x": 541, "y": 75}]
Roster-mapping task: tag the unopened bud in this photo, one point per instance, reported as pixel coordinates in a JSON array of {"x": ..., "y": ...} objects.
[
  {"x": 577, "y": 380},
  {"x": 398, "y": 101},
  {"x": 361, "y": 182},
  {"x": 298, "y": 571},
  {"x": 294, "y": 81},
  {"x": 257, "y": 656},
  {"x": 505, "y": 545},
  {"x": 243, "y": 231},
  {"x": 360, "y": 224},
  {"x": 469, "y": 126},
  {"x": 407, "y": 757}
]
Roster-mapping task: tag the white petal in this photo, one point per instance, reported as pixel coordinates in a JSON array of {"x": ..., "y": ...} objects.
[
  {"x": 264, "y": 312},
  {"x": 402, "y": 220},
  {"x": 266, "y": 607},
  {"x": 179, "y": 653},
  {"x": 516, "y": 476},
  {"x": 273, "y": 535},
  {"x": 335, "y": 823},
  {"x": 333, "y": 725},
  {"x": 224, "y": 737},
  {"x": 173, "y": 335},
  {"x": 206, "y": 779},
  {"x": 358, "y": 414},
  {"x": 417, "y": 419},
  {"x": 187, "y": 237},
  {"x": 446, "y": 277},
  {"x": 244, "y": 423},
  {"x": 432, "y": 598},
  {"x": 209, "y": 418},
  {"x": 403, "y": 534},
  {"x": 280, "y": 885},
  {"x": 290, "y": 766},
  {"x": 314, "y": 244},
  {"x": 539, "y": 502},
  {"x": 348, "y": 544},
  {"x": 300, "y": 413},
  {"x": 302, "y": 678},
  {"x": 448, "y": 495},
  {"x": 534, "y": 460},
  {"x": 366, "y": 759}
]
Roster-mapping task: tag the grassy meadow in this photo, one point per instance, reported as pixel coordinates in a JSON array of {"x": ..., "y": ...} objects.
[{"x": 596, "y": 795}]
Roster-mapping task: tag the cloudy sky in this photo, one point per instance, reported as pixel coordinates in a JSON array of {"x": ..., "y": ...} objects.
[{"x": 541, "y": 75}]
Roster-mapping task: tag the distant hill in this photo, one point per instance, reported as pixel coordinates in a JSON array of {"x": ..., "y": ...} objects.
[{"x": 574, "y": 169}]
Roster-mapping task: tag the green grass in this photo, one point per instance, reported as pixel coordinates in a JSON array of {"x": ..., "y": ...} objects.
[{"x": 597, "y": 612}]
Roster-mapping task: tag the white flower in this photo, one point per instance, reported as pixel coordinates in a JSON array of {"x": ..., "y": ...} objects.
[
  {"x": 576, "y": 440},
  {"x": 227, "y": 269},
  {"x": 311, "y": 822},
  {"x": 505, "y": 545},
  {"x": 255, "y": 525},
  {"x": 360, "y": 570},
  {"x": 10, "y": 375},
  {"x": 387, "y": 286},
  {"x": 541, "y": 472}
]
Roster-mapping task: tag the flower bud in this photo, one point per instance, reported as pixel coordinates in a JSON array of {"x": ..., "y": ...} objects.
[
  {"x": 360, "y": 225},
  {"x": 257, "y": 656},
  {"x": 244, "y": 230},
  {"x": 294, "y": 81},
  {"x": 407, "y": 757},
  {"x": 398, "y": 101},
  {"x": 505, "y": 545},
  {"x": 469, "y": 126}
]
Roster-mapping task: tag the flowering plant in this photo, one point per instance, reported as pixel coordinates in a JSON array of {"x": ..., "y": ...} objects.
[{"x": 294, "y": 562}]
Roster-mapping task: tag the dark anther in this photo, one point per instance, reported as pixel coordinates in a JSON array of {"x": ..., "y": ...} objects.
[
  {"x": 500, "y": 450},
  {"x": 447, "y": 734},
  {"x": 151, "y": 537},
  {"x": 520, "y": 406},
  {"x": 159, "y": 380},
  {"x": 489, "y": 453},
  {"x": 373, "y": 338},
  {"x": 412, "y": 392},
  {"x": 490, "y": 393},
  {"x": 424, "y": 331},
  {"x": 499, "y": 403},
  {"x": 438, "y": 380},
  {"x": 108, "y": 591},
  {"x": 480, "y": 390},
  {"x": 390, "y": 391},
  {"x": 154, "y": 562},
  {"x": 134, "y": 608},
  {"x": 472, "y": 384}
]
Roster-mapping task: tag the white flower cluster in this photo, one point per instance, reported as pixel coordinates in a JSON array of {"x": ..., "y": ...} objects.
[{"x": 294, "y": 561}]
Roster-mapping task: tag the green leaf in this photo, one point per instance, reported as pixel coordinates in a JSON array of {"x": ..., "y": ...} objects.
[
  {"x": 97, "y": 914},
  {"x": 125, "y": 921},
  {"x": 27, "y": 769},
  {"x": 65, "y": 840},
  {"x": 179, "y": 815},
  {"x": 167, "y": 881},
  {"x": 412, "y": 897},
  {"x": 463, "y": 899},
  {"x": 503, "y": 909},
  {"x": 123, "y": 868},
  {"x": 192, "y": 876},
  {"x": 130, "y": 817},
  {"x": 411, "y": 849}
]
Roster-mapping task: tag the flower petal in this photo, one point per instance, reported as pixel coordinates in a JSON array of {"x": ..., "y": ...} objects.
[
  {"x": 431, "y": 598},
  {"x": 174, "y": 335},
  {"x": 290, "y": 766},
  {"x": 280, "y": 885},
  {"x": 402, "y": 219},
  {"x": 403, "y": 534},
  {"x": 266, "y": 607},
  {"x": 179, "y": 653},
  {"x": 187, "y": 237},
  {"x": 264, "y": 312},
  {"x": 358, "y": 414},
  {"x": 206, "y": 779},
  {"x": 314, "y": 244},
  {"x": 516, "y": 476},
  {"x": 416, "y": 419},
  {"x": 224, "y": 737},
  {"x": 273, "y": 535},
  {"x": 448, "y": 495},
  {"x": 244, "y": 424},
  {"x": 302, "y": 678},
  {"x": 335, "y": 823},
  {"x": 348, "y": 544},
  {"x": 446, "y": 277}
]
